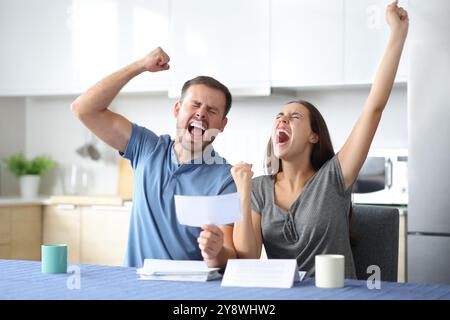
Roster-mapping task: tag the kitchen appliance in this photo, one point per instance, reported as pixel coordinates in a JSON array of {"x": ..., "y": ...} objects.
[
  {"x": 429, "y": 142},
  {"x": 383, "y": 179},
  {"x": 88, "y": 149}
]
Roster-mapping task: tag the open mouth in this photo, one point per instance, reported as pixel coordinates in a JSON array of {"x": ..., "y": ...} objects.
[
  {"x": 196, "y": 129},
  {"x": 282, "y": 137}
]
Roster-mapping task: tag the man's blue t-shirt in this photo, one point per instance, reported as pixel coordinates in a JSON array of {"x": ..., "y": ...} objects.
[{"x": 154, "y": 229}]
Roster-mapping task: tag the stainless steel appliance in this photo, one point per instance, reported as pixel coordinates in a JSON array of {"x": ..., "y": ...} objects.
[
  {"x": 429, "y": 142},
  {"x": 383, "y": 179}
]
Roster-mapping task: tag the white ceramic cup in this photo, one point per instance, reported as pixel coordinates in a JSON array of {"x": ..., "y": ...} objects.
[{"x": 330, "y": 270}]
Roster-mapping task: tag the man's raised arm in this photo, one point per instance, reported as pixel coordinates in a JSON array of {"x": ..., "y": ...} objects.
[{"x": 92, "y": 106}]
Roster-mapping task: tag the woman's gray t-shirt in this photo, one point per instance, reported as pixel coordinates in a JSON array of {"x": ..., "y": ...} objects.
[{"x": 316, "y": 223}]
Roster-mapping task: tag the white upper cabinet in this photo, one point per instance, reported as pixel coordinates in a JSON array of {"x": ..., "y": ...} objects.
[
  {"x": 366, "y": 36},
  {"x": 228, "y": 40},
  {"x": 36, "y": 47},
  {"x": 110, "y": 34},
  {"x": 66, "y": 46},
  {"x": 307, "y": 42}
]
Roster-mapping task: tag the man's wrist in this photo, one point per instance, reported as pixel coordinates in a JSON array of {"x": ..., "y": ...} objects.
[{"x": 138, "y": 67}]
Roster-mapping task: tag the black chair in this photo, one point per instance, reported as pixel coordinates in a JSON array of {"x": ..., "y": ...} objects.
[{"x": 376, "y": 234}]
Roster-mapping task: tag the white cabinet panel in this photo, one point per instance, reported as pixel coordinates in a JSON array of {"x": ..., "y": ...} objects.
[
  {"x": 66, "y": 46},
  {"x": 96, "y": 41},
  {"x": 228, "y": 40},
  {"x": 36, "y": 51},
  {"x": 307, "y": 42},
  {"x": 366, "y": 36},
  {"x": 127, "y": 31}
]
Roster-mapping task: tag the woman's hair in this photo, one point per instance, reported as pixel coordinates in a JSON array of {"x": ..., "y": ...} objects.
[{"x": 322, "y": 150}]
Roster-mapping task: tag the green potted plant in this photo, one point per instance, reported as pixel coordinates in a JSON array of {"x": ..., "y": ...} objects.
[{"x": 28, "y": 171}]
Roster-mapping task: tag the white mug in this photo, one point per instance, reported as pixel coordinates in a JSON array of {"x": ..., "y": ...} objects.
[{"x": 330, "y": 270}]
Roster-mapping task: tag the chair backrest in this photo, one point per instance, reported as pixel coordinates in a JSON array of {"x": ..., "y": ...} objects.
[{"x": 376, "y": 230}]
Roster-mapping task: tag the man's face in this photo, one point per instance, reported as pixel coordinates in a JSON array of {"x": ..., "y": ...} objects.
[{"x": 200, "y": 117}]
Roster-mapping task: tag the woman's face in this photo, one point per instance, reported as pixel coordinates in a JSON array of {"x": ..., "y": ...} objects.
[{"x": 292, "y": 133}]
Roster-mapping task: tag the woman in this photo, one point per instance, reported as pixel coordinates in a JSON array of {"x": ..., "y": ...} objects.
[{"x": 302, "y": 207}]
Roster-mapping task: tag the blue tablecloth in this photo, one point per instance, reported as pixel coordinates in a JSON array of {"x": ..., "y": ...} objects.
[{"x": 24, "y": 280}]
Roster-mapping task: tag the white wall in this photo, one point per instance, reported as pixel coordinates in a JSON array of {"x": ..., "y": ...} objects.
[
  {"x": 51, "y": 129},
  {"x": 12, "y": 139}
]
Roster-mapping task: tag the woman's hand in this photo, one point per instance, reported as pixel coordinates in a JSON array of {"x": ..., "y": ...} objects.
[
  {"x": 242, "y": 175},
  {"x": 397, "y": 18}
]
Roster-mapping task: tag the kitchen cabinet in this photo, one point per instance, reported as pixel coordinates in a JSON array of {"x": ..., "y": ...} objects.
[
  {"x": 365, "y": 35},
  {"x": 20, "y": 232},
  {"x": 63, "y": 47},
  {"x": 37, "y": 49},
  {"x": 94, "y": 234},
  {"x": 126, "y": 32},
  {"x": 307, "y": 43},
  {"x": 228, "y": 40},
  {"x": 61, "y": 224},
  {"x": 104, "y": 234}
]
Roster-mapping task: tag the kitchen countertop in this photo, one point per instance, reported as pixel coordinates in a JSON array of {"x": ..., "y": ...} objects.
[
  {"x": 89, "y": 200},
  {"x": 80, "y": 200},
  {"x": 18, "y": 201}
]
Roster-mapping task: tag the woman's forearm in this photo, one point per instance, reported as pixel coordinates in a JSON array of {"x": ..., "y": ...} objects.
[
  {"x": 244, "y": 237},
  {"x": 387, "y": 70}
]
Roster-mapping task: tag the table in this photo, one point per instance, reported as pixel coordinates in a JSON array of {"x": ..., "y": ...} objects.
[{"x": 23, "y": 280}]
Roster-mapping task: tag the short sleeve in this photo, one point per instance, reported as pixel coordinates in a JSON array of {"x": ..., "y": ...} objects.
[
  {"x": 333, "y": 166},
  {"x": 141, "y": 143},
  {"x": 257, "y": 199}
]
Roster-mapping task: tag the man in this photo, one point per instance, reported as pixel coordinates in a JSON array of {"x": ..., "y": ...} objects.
[{"x": 164, "y": 167}]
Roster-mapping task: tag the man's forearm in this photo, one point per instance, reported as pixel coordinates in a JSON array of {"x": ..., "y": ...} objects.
[{"x": 99, "y": 96}]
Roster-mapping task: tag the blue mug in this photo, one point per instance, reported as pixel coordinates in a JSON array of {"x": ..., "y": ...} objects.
[{"x": 54, "y": 258}]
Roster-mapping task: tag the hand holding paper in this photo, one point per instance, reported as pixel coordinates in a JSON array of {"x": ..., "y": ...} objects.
[
  {"x": 210, "y": 241},
  {"x": 198, "y": 210}
]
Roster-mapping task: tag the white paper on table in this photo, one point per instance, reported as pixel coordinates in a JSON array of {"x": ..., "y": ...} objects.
[
  {"x": 152, "y": 266},
  {"x": 271, "y": 273},
  {"x": 177, "y": 270},
  {"x": 197, "y": 210}
]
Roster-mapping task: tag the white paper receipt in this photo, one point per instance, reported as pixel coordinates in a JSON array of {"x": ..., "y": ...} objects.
[{"x": 197, "y": 210}]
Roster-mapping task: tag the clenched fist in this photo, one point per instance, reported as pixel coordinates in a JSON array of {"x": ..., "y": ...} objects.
[
  {"x": 242, "y": 175},
  {"x": 155, "y": 61},
  {"x": 397, "y": 18}
]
